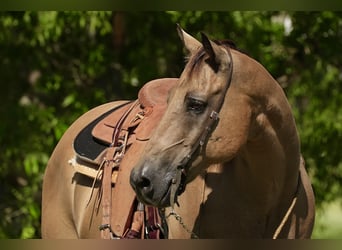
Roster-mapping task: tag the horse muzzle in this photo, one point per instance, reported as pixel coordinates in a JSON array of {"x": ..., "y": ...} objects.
[{"x": 152, "y": 186}]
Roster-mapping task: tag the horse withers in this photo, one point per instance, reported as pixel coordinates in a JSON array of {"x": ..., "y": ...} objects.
[{"x": 224, "y": 160}]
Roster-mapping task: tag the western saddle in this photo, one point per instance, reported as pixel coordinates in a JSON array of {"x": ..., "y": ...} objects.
[{"x": 108, "y": 148}]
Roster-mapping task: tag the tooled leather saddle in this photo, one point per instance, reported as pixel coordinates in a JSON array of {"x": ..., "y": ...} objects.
[{"x": 131, "y": 124}]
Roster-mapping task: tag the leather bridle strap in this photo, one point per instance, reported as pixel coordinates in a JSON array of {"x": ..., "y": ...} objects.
[
  {"x": 212, "y": 118},
  {"x": 179, "y": 182}
]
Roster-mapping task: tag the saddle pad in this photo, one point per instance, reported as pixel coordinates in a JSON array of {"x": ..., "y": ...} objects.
[{"x": 85, "y": 146}]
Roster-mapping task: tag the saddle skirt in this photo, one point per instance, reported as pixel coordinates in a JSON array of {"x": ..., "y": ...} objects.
[{"x": 92, "y": 143}]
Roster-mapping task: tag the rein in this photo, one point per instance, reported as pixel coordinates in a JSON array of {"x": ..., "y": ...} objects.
[{"x": 288, "y": 212}]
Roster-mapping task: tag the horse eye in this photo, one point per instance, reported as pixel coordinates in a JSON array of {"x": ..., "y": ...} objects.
[{"x": 195, "y": 106}]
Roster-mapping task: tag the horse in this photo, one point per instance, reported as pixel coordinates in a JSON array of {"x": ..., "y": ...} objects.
[{"x": 223, "y": 159}]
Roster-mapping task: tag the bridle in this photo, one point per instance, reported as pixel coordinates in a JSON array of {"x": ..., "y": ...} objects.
[{"x": 179, "y": 181}]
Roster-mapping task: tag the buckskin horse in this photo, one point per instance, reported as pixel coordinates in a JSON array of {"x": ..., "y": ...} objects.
[{"x": 213, "y": 154}]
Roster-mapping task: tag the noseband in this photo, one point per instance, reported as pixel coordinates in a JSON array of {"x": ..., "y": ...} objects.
[{"x": 179, "y": 182}]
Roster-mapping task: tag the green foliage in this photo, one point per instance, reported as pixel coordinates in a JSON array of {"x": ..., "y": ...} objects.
[
  {"x": 316, "y": 91},
  {"x": 57, "y": 65}
]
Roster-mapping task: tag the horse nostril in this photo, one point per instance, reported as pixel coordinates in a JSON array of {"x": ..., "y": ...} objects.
[
  {"x": 141, "y": 181},
  {"x": 144, "y": 182}
]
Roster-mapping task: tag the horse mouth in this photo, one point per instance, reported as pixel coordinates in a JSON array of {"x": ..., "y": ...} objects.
[
  {"x": 162, "y": 202},
  {"x": 161, "y": 191},
  {"x": 173, "y": 192},
  {"x": 165, "y": 199}
]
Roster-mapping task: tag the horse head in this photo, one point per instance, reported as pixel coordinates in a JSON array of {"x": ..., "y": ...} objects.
[{"x": 178, "y": 149}]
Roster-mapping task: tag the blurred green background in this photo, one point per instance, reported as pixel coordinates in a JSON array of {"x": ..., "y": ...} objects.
[{"x": 57, "y": 65}]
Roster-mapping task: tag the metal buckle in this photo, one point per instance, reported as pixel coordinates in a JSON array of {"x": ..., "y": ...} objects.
[{"x": 214, "y": 115}]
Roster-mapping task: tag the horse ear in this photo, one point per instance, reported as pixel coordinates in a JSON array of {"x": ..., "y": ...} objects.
[
  {"x": 216, "y": 54},
  {"x": 190, "y": 43}
]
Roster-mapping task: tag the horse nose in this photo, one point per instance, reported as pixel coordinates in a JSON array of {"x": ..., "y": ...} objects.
[{"x": 141, "y": 181}]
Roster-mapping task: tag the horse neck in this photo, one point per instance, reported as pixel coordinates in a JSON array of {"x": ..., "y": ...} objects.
[
  {"x": 271, "y": 114},
  {"x": 272, "y": 149}
]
